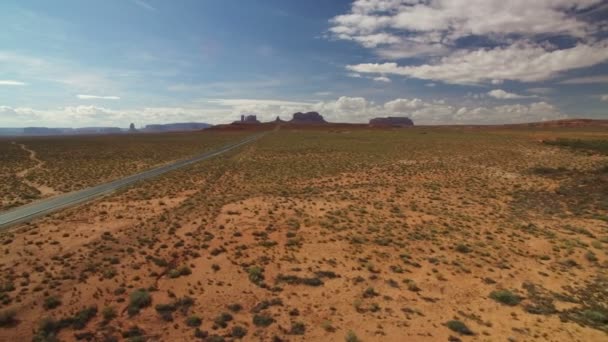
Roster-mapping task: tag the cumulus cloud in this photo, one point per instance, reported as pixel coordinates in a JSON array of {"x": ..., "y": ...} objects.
[
  {"x": 11, "y": 83},
  {"x": 523, "y": 62},
  {"x": 89, "y": 115},
  {"x": 97, "y": 97},
  {"x": 342, "y": 109},
  {"x": 359, "y": 109},
  {"x": 248, "y": 102},
  {"x": 505, "y": 95},
  {"x": 512, "y": 38},
  {"x": 376, "y": 22}
]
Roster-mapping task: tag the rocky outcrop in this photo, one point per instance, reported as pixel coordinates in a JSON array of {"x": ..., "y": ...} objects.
[
  {"x": 394, "y": 121},
  {"x": 248, "y": 119},
  {"x": 307, "y": 118}
]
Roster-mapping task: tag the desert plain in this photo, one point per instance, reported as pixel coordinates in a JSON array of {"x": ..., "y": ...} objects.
[{"x": 328, "y": 234}]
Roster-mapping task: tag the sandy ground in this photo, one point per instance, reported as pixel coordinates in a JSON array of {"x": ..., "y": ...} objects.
[
  {"x": 384, "y": 251},
  {"x": 45, "y": 191}
]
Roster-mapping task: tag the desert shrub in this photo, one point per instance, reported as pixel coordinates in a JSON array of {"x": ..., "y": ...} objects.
[
  {"x": 47, "y": 331},
  {"x": 295, "y": 280},
  {"x": 505, "y": 297},
  {"x": 369, "y": 293},
  {"x": 262, "y": 320},
  {"x": 256, "y": 274},
  {"x": 238, "y": 332},
  {"x": 459, "y": 327},
  {"x": 193, "y": 321},
  {"x": 462, "y": 248},
  {"x": 223, "y": 319},
  {"x": 108, "y": 313},
  {"x": 83, "y": 317},
  {"x": 7, "y": 317},
  {"x": 138, "y": 300},
  {"x": 297, "y": 328},
  {"x": 133, "y": 332},
  {"x": 595, "y": 316},
  {"x": 51, "y": 302},
  {"x": 351, "y": 337},
  {"x": 215, "y": 338},
  {"x": 235, "y": 307},
  {"x": 165, "y": 311}
]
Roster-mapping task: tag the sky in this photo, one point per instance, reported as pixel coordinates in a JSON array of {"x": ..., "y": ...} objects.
[{"x": 73, "y": 63}]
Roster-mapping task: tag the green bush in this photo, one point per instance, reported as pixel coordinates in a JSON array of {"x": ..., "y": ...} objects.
[
  {"x": 138, "y": 300},
  {"x": 193, "y": 321},
  {"x": 82, "y": 318},
  {"x": 459, "y": 327},
  {"x": 297, "y": 328},
  {"x": 505, "y": 297},
  {"x": 256, "y": 274},
  {"x": 51, "y": 302},
  {"x": 108, "y": 313},
  {"x": 238, "y": 332},
  {"x": 262, "y": 320}
]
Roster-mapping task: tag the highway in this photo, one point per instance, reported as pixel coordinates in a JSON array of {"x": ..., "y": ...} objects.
[{"x": 43, "y": 207}]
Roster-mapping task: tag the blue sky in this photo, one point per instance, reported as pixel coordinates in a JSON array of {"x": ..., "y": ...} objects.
[{"x": 83, "y": 63}]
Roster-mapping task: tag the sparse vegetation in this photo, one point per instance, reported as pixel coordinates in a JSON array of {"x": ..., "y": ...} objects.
[
  {"x": 353, "y": 225},
  {"x": 459, "y": 327},
  {"x": 138, "y": 300},
  {"x": 505, "y": 297}
]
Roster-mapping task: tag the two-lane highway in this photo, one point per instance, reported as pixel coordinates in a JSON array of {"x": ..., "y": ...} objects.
[{"x": 52, "y": 204}]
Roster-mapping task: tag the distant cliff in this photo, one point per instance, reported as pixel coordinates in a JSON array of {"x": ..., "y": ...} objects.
[
  {"x": 176, "y": 127},
  {"x": 307, "y": 118},
  {"x": 395, "y": 121}
]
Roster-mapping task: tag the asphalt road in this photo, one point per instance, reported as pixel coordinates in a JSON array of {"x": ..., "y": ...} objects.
[{"x": 52, "y": 204}]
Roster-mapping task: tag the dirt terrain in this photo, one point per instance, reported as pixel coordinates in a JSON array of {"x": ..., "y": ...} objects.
[{"x": 418, "y": 234}]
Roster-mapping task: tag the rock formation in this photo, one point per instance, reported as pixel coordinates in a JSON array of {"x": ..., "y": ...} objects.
[
  {"x": 308, "y": 118},
  {"x": 248, "y": 119},
  {"x": 394, "y": 121}
]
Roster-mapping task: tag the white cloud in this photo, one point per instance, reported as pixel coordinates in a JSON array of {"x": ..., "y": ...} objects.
[
  {"x": 604, "y": 98},
  {"x": 586, "y": 80},
  {"x": 11, "y": 83},
  {"x": 97, "y": 97},
  {"x": 354, "y": 75},
  {"x": 144, "y": 5},
  {"x": 504, "y": 95},
  {"x": 249, "y": 102},
  {"x": 517, "y": 113},
  {"x": 375, "y": 22},
  {"x": 512, "y": 38},
  {"x": 382, "y": 79},
  {"x": 323, "y": 93},
  {"x": 523, "y": 62},
  {"x": 343, "y": 109},
  {"x": 89, "y": 115}
]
